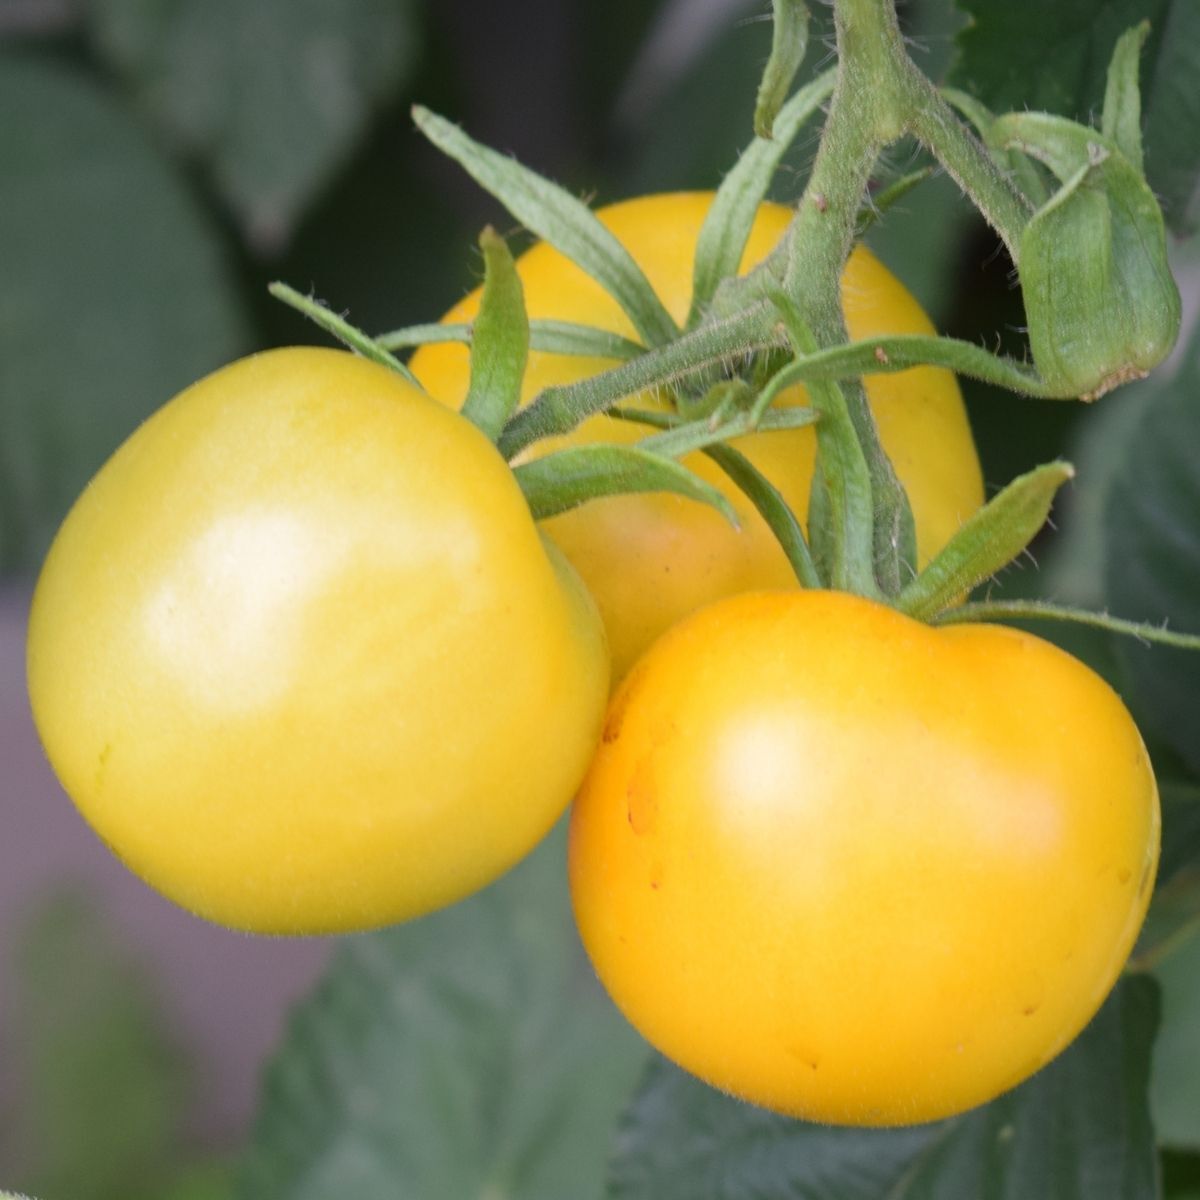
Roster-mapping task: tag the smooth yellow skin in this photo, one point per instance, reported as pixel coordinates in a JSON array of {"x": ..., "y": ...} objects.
[
  {"x": 650, "y": 560},
  {"x": 301, "y": 658},
  {"x": 856, "y": 869}
]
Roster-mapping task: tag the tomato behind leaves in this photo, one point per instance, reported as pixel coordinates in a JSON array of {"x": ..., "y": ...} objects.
[
  {"x": 650, "y": 560},
  {"x": 301, "y": 657},
  {"x": 856, "y": 869}
]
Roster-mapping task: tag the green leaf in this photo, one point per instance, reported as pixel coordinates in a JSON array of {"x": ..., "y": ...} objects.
[
  {"x": 114, "y": 293},
  {"x": 727, "y": 223},
  {"x": 499, "y": 341},
  {"x": 1028, "y": 54},
  {"x": 552, "y": 337},
  {"x": 566, "y": 337},
  {"x": 1152, "y": 568},
  {"x": 669, "y": 93},
  {"x": 682, "y": 1140},
  {"x": 1172, "y": 925},
  {"x": 209, "y": 1181},
  {"x": 272, "y": 95},
  {"x": 1181, "y": 828},
  {"x": 469, "y": 1054},
  {"x": 568, "y": 478},
  {"x": 879, "y": 202},
  {"x": 987, "y": 542},
  {"x": 789, "y": 43},
  {"x": 1080, "y": 1128},
  {"x": 1171, "y": 108},
  {"x": 684, "y": 437},
  {"x": 773, "y": 509},
  {"x": 1173, "y": 919},
  {"x": 557, "y": 217},
  {"x": 757, "y": 488},
  {"x": 1122, "y": 117},
  {"x": 1072, "y": 568},
  {"x": 103, "y": 1088},
  {"x": 1181, "y": 1175},
  {"x": 1175, "y": 1081},
  {"x": 1062, "y": 145},
  {"x": 337, "y": 326}
]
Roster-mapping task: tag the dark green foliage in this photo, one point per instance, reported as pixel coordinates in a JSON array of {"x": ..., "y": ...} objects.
[
  {"x": 468, "y": 1054},
  {"x": 1029, "y": 54},
  {"x": 1079, "y": 1128}
]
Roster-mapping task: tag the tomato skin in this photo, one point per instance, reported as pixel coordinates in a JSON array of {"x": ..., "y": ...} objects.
[
  {"x": 650, "y": 560},
  {"x": 301, "y": 658},
  {"x": 856, "y": 869}
]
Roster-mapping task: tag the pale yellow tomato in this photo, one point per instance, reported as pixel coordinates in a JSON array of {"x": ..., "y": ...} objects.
[
  {"x": 651, "y": 559},
  {"x": 300, "y": 656},
  {"x": 856, "y": 869}
]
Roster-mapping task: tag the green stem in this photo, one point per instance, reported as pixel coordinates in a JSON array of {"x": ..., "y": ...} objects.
[
  {"x": 886, "y": 355},
  {"x": 1039, "y": 610},
  {"x": 901, "y": 99},
  {"x": 880, "y": 95},
  {"x": 558, "y": 410},
  {"x": 846, "y": 533},
  {"x": 932, "y": 121},
  {"x": 822, "y": 233},
  {"x": 861, "y": 121}
]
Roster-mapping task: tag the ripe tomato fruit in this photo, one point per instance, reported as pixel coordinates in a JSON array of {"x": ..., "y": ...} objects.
[
  {"x": 650, "y": 560},
  {"x": 302, "y": 659},
  {"x": 856, "y": 869}
]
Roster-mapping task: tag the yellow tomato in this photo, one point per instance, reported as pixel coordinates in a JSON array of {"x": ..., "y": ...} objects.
[
  {"x": 651, "y": 559},
  {"x": 856, "y": 869},
  {"x": 301, "y": 658}
]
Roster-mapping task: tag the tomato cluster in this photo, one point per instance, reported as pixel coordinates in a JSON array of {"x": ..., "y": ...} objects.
[{"x": 304, "y": 660}]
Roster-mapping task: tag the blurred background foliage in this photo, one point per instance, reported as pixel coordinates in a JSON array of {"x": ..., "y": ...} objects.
[{"x": 162, "y": 160}]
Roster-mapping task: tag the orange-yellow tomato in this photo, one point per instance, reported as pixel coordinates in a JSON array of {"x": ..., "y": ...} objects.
[
  {"x": 856, "y": 869},
  {"x": 649, "y": 560},
  {"x": 301, "y": 658}
]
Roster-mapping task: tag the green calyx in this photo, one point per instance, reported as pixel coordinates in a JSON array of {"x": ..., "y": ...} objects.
[
  {"x": 1100, "y": 301},
  {"x": 987, "y": 542},
  {"x": 499, "y": 341},
  {"x": 788, "y": 46},
  {"x": 1070, "y": 203}
]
